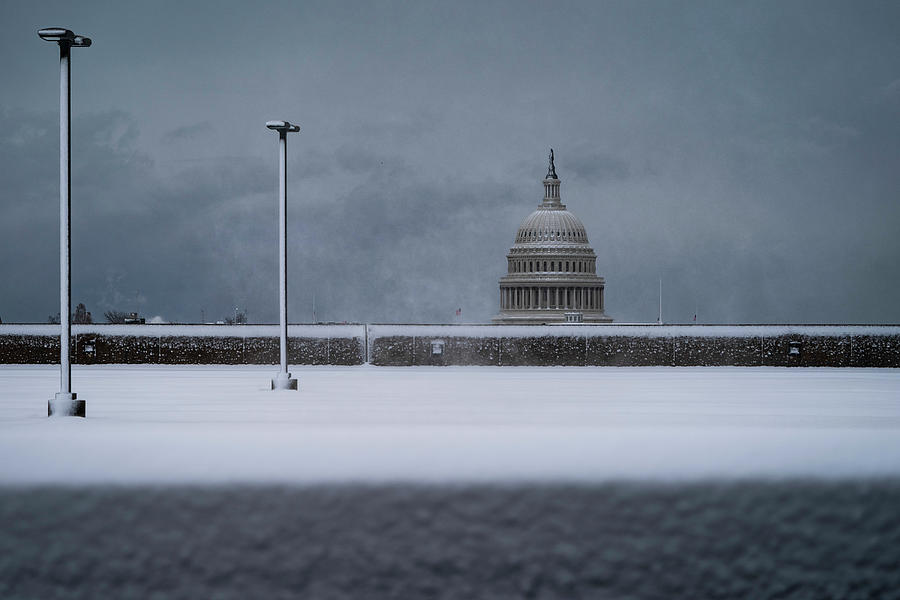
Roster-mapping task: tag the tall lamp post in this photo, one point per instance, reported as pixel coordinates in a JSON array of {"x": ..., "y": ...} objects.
[
  {"x": 65, "y": 402},
  {"x": 283, "y": 380}
]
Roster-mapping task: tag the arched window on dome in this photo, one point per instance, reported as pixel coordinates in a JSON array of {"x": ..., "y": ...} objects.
[
  {"x": 567, "y": 265},
  {"x": 545, "y": 265},
  {"x": 552, "y": 266}
]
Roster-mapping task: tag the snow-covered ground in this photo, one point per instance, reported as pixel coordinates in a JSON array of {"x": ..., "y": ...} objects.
[
  {"x": 453, "y": 424},
  {"x": 740, "y": 482}
]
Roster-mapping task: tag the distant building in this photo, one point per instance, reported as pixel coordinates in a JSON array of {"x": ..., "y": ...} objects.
[
  {"x": 551, "y": 268},
  {"x": 134, "y": 319}
]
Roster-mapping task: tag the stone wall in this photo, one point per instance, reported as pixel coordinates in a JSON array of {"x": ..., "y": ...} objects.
[
  {"x": 618, "y": 345},
  {"x": 185, "y": 344},
  {"x": 407, "y": 345}
]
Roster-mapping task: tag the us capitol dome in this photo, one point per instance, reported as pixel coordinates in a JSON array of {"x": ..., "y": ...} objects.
[{"x": 551, "y": 268}]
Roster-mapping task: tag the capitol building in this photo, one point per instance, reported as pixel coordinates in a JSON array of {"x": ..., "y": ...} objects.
[{"x": 551, "y": 268}]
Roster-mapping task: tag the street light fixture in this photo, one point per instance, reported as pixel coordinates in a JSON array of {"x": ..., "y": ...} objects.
[
  {"x": 65, "y": 402},
  {"x": 283, "y": 380}
]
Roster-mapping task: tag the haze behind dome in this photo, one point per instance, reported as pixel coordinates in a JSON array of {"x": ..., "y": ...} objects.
[{"x": 747, "y": 154}]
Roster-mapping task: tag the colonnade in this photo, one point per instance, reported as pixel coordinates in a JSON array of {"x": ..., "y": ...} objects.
[
  {"x": 537, "y": 297},
  {"x": 552, "y": 266},
  {"x": 551, "y": 189}
]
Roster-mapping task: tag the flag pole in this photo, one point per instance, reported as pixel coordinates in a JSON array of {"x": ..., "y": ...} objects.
[{"x": 659, "y": 319}]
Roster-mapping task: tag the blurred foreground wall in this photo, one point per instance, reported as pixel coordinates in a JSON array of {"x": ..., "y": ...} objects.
[
  {"x": 497, "y": 345},
  {"x": 784, "y": 539}
]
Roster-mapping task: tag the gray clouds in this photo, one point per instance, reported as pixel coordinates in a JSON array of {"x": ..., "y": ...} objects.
[
  {"x": 188, "y": 132},
  {"x": 748, "y": 155}
]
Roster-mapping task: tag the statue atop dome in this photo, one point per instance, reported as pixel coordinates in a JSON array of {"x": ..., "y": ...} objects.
[{"x": 551, "y": 170}]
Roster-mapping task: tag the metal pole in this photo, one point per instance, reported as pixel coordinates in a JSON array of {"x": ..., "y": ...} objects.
[
  {"x": 283, "y": 380},
  {"x": 282, "y": 247},
  {"x": 65, "y": 403},
  {"x": 65, "y": 245},
  {"x": 659, "y": 320}
]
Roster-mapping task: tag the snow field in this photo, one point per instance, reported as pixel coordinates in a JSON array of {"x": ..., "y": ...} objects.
[{"x": 182, "y": 425}]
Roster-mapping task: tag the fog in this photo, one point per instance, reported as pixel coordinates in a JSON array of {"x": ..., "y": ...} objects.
[{"x": 747, "y": 155}]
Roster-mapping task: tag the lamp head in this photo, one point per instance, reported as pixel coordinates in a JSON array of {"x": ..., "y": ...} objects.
[
  {"x": 62, "y": 36},
  {"x": 282, "y": 126},
  {"x": 56, "y": 34}
]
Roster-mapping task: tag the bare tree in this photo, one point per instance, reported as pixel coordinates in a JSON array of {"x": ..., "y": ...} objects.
[
  {"x": 81, "y": 314},
  {"x": 115, "y": 316}
]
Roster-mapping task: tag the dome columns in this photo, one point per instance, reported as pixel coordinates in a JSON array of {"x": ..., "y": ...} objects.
[
  {"x": 525, "y": 297},
  {"x": 551, "y": 191}
]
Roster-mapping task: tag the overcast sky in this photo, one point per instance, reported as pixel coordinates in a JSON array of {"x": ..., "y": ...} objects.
[{"x": 746, "y": 153}]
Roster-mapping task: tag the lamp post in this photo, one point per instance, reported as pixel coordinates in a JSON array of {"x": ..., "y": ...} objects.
[
  {"x": 283, "y": 380},
  {"x": 65, "y": 402}
]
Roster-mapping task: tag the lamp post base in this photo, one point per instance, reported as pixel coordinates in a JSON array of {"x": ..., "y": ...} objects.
[
  {"x": 283, "y": 381},
  {"x": 66, "y": 405}
]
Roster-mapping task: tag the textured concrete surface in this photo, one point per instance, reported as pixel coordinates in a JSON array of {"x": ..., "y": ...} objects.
[{"x": 748, "y": 539}]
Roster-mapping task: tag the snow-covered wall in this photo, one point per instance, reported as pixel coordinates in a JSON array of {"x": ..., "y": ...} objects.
[
  {"x": 241, "y": 331},
  {"x": 636, "y": 345},
  {"x": 404, "y": 345},
  {"x": 185, "y": 344}
]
